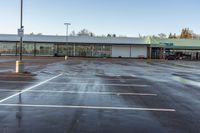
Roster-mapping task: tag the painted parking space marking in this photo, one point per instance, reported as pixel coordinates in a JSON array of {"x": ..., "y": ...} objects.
[
  {"x": 99, "y": 84},
  {"x": 82, "y": 92},
  {"x": 78, "y": 83},
  {"x": 89, "y": 107},
  {"x": 72, "y": 78},
  {"x": 6, "y": 70},
  {"x": 27, "y": 89},
  {"x": 133, "y": 75},
  {"x": 105, "y": 74}
]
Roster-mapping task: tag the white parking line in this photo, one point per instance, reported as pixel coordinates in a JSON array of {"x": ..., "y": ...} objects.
[
  {"x": 132, "y": 75},
  {"x": 105, "y": 74},
  {"x": 89, "y": 107},
  {"x": 76, "y": 83},
  {"x": 99, "y": 84},
  {"x": 7, "y": 70},
  {"x": 82, "y": 92},
  {"x": 25, "y": 90},
  {"x": 72, "y": 78}
]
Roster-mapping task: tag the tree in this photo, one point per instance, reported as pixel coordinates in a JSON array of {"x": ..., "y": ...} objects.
[
  {"x": 31, "y": 33},
  {"x": 114, "y": 35},
  {"x": 140, "y": 36},
  {"x": 73, "y": 33},
  {"x": 186, "y": 33},
  {"x": 170, "y": 36},
  {"x": 109, "y": 35},
  {"x": 162, "y": 35},
  {"x": 91, "y": 34},
  {"x": 174, "y": 36},
  {"x": 85, "y": 32}
]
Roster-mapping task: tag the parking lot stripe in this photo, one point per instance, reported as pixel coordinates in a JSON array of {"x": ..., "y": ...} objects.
[
  {"x": 76, "y": 83},
  {"x": 90, "y": 107},
  {"x": 99, "y": 84},
  {"x": 82, "y": 92},
  {"x": 132, "y": 75},
  {"x": 25, "y": 90},
  {"x": 71, "y": 78},
  {"x": 74, "y": 78}
]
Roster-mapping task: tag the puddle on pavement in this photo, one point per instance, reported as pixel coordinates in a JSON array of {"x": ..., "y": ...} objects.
[{"x": 186, "y": 81}]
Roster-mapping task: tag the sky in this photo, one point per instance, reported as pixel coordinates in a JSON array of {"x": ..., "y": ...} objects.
[{"x": 121, "y": 17}]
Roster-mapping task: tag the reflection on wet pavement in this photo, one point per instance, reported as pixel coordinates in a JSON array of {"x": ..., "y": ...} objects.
[{"x": 103, "y": 96}]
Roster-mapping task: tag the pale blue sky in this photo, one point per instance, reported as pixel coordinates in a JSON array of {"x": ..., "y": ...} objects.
[{"x": 123, "y": 17}]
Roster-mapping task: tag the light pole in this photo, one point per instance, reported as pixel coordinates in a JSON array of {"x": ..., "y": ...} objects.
[
  {"x": 67, "y": 29},
  {"x": 19, "y": 63}
]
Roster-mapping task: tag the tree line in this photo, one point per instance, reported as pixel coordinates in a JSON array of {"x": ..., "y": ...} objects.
[
  {"x": 85, "y": 32},
  {"x": 186, "y": 33}
]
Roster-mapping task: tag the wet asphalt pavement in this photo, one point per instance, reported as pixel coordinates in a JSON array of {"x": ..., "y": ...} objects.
[{"x": 101, "y": 96}]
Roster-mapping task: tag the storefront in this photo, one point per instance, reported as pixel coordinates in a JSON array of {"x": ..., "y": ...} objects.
[
  {"x": 79, "y": 46},
  {"x": 175, "y": 49}
]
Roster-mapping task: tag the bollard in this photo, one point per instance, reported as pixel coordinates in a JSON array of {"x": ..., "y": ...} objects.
[
  {"x": 19, "y": 66},
  {"x": 66, "y": 57}
]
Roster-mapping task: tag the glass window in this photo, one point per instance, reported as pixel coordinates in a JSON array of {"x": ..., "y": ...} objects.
[
  {"x": 44, "y": 49},
  {"x": 8, "y": 48}
]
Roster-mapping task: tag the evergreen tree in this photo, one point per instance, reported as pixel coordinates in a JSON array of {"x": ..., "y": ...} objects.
[
  {"x": 174, "y": 36},
  {"x": 170, "y": 36}
]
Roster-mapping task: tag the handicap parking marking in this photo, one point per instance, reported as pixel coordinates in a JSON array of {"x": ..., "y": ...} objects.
[
  {"x": 28, "y": 89},
  {"x": 90, "y": 107}
]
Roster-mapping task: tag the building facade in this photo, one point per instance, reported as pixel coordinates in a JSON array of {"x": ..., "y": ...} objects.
[
  {"x": 84, "y": 46},
  {"x": 176, "y": 49},
  {"x": 79, "y": 46}
]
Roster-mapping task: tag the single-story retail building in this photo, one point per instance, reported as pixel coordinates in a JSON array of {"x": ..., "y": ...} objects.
[{"x": 85, "y": 46}]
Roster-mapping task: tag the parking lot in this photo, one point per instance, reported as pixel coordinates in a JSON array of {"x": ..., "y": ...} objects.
[{"x": 88, "y": 95}]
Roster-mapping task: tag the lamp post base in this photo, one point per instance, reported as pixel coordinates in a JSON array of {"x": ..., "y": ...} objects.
[{"x": 19, "y": 66}]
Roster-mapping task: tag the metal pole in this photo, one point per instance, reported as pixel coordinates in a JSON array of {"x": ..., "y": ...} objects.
[
  {"x": 67, "y": 28},
  {"x": 74, "y": 49},
  {"x": 150, "y": 51},
  {"x": 19, "y": 63},
  {"x": 21, "y": 26}
]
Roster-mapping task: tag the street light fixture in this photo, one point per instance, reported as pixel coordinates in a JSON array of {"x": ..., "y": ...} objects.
[
  {"x": 19, "y": 63},
  {"x": 67, "y": 28}
]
